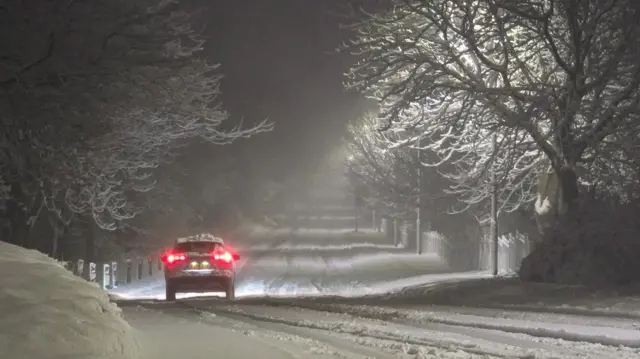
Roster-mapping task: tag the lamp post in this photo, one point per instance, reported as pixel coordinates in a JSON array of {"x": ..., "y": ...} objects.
[{"x": 494, "y": 211}]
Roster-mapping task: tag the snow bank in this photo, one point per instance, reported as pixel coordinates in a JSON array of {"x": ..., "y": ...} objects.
[
  {"x": 597, "y": 245},
  {"x": 48, "y": 313}
]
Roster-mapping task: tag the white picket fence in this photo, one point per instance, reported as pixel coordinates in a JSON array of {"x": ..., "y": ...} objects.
[
  {"x": 469, "y": 255},
  {"x": 116, "y": 273},
  {"x": 512, "y": 248}
]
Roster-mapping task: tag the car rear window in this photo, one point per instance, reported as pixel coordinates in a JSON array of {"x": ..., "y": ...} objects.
[{"x": 199, "y": 247}]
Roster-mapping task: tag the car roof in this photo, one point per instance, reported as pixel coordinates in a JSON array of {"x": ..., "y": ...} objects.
[{"x": 202, "y": 237}]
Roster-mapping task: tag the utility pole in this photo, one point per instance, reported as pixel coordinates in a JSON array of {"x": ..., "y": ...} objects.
[
  {"x": 419, "y": 206},
  {"x": 395, "y": 232},
  {"x": 374, "y": 225},
  {"x": 357, "y": 210},
  {"x": 494, "y": 211}
]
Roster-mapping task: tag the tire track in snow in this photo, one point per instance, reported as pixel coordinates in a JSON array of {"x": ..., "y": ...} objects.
[
  {"x": 398, "y": 336},
  {"x": 174, "y": 329},
  {"x": 436, "y": 317},
  {"x": 530, "y": 340},
  {"x": 435, "y": 336},
  {"x": 483, "y": 330},
  {"x": 326, "y": 343}
]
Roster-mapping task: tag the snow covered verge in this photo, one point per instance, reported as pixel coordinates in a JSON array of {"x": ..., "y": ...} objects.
[
  {"x": 484, "y": 336},
  {"x": 596, "y": 245},
  {"x": 48, "y": 313},
  {"x": 501, "y": 297},
  {"x": 611, "y": 333},
  {"x": 512, "y": 294}
]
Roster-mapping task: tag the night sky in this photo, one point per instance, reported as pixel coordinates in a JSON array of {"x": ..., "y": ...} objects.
[{"x": 277, "y": 61}]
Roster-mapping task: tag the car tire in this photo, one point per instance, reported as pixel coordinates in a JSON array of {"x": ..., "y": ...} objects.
[
  {"x": 231, "y": 291},
  {"x": 170, "y": 292}
]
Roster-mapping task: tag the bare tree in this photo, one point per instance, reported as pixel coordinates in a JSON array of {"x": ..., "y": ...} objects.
[
  {"x": 390, "y": 177},
  {"x": 390, "y": 174},
  {"x": 94, "y": 95},
  {"x": 553, "y": 81}
]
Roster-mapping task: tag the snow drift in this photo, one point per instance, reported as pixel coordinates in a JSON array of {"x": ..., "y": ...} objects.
[{"x": 48, "y": 313}]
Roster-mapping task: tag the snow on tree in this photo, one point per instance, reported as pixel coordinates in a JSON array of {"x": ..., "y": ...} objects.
[
  {"x": 387, "y": 177},
  {"x": 390, "y": 175},
  {"x": 556, "y": 83},
  {"x": 95, "y": 95}
]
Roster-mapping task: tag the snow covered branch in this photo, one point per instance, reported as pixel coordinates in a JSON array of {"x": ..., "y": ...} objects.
[
  {"x": 389, "y": 176},
  {"x": 95, "y": 95},
  {"x": 391, "y": 173},
  {"x": 552, "y": 80}
]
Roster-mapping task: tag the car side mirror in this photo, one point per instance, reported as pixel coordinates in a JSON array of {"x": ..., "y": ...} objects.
[{"x": 236, "y": 257}]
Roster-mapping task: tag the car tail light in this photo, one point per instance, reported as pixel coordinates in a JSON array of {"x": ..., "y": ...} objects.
[
  {"x": 171, "y": 258},
  {"x": 223, "y": 256}
]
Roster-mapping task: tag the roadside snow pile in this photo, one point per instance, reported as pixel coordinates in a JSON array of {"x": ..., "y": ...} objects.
[
  {"x": 596, "y": 245},
  {"x": 48, "y": 313}
]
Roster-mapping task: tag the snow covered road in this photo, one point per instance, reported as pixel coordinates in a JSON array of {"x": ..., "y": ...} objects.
[
  {"x": 307, "y": 264},
  {"x": 357, "y": 297},
  {"x": 176, "y": 331},
  {"x": 196, "y": 328}
]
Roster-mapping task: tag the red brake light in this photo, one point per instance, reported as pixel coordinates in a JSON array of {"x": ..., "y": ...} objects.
[
  {"x": 223, "y": 256},
  {"x": 171, "y": 258}
]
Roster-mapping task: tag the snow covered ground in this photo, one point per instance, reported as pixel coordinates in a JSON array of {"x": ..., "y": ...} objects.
[
  {"x": 321, "y": 271},
  {"x": 330, "y": 301},
  {"x": 324, "y": 298},
  {"x": 509, "y": 293},
  {"x": 596, "y": 330},
  {"x": 48, "y": 313},
  {"x": 312, "y": 262},
  {"x": 261, "y": 237},
  {"x": 335, "y": 296},
  {"x": 196, "y": 328},
  {"x": 577, "y": 314},
  {"x": 320, "y": 328}
]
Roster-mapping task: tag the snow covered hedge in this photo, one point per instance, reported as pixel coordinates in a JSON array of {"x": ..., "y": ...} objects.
[
  {"x": 48, "y": 313},
  {"x": 597, "y": 245}
]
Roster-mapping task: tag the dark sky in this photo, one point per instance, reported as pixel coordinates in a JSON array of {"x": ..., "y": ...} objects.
[{"x": 274, "y": 55}]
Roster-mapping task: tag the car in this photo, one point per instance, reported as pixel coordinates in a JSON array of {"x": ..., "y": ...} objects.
[{"x": 199, "y": 264}]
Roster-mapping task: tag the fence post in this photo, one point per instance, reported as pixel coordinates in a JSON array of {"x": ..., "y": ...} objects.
[
  {"x": 139, "y": 271},
  {"x": 80, "y": 267},
  {"x": 129, "y": 270},
  {"x": 92, "y": 272},
  {"x": 150, "y": 259},
  {"x": 114, "y": 274},
  {"x": 106, "y": 276}
]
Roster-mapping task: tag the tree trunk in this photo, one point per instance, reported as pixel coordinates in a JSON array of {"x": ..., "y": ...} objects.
[
  {"x": 568, "y": 191},
  {"x": 557, "y": 196},
  {"x": 58, "y": 231},
  {"x": 89, "y": 245},
  {"x": 17, "y": 219},
  {"x": 54, "y": 238}
]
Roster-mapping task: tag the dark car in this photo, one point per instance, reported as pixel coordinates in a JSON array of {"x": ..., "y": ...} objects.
[{"x": 199, "y": 264}]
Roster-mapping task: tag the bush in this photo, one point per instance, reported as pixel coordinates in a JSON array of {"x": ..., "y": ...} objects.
[{"x": 598, "y": 244}]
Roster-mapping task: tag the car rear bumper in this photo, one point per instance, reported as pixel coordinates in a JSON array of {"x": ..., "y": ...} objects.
[{"x": 198, "y": 282}]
